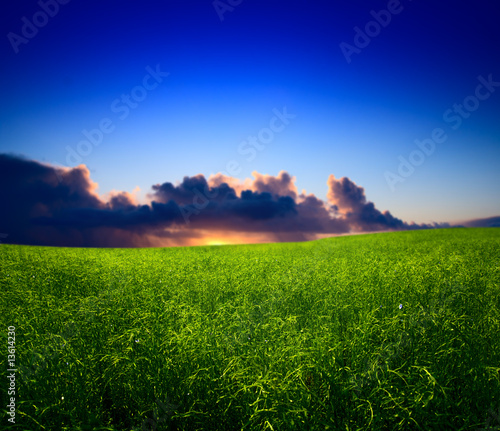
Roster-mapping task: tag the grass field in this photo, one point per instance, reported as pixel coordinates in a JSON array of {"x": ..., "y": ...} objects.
[{"x": 383, "y": 331}]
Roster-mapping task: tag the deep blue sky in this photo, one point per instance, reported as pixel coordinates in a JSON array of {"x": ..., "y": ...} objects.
[{"x": 226, "y": 77}]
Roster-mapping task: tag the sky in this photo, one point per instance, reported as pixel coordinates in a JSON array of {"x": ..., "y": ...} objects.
[{"x": 119, "y": 120}]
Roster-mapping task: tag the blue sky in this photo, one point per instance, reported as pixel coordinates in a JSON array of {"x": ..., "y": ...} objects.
[{"x": 352, "y": 118}]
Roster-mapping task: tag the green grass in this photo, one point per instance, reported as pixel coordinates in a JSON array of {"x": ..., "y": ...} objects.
[{"x": 271, "y": 336}]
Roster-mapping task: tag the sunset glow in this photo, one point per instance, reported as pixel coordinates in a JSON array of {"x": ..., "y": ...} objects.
[{"x": 178, "y": 123}]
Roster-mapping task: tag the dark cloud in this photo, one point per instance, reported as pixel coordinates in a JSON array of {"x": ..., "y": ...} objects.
[
  {"x": 483, "y": 222},
  {"x": 350, "y": 201},
  {"x": 46, "y": 205},
  {"x": 29, "y": 190},
  {"x": 192, "y": 190},
  {"x": 193, "y": 193},
  {"x": 55, "y": 206},
  {"x": 281, "y": 185}
]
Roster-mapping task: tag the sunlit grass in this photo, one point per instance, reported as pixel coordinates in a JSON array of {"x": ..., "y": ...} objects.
[{"x": 387, "y": 331}]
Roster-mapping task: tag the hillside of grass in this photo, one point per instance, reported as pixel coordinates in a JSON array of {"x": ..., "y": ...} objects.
[{"x": 383, "y": 331}]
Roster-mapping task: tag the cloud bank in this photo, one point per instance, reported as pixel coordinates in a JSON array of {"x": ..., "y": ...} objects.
[{"x": 48, "y": 205}]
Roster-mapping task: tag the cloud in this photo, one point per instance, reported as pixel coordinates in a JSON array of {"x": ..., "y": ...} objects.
[
  {"x": 349, "y": 200},
  {"x": 117, "y": 199},
  {"x": 47, "y": 205},
  {"x": 281, "y": 185},
  {"x": 483, "y": 222}
]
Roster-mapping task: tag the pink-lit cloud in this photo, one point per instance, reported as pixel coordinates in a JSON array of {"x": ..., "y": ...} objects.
[{"x": 47, "y": 205}]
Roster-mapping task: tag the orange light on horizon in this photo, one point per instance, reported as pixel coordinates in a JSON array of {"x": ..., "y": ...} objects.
[
  {"x": 226, "y": 238},
  {"x": 216, "y": 242}
]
